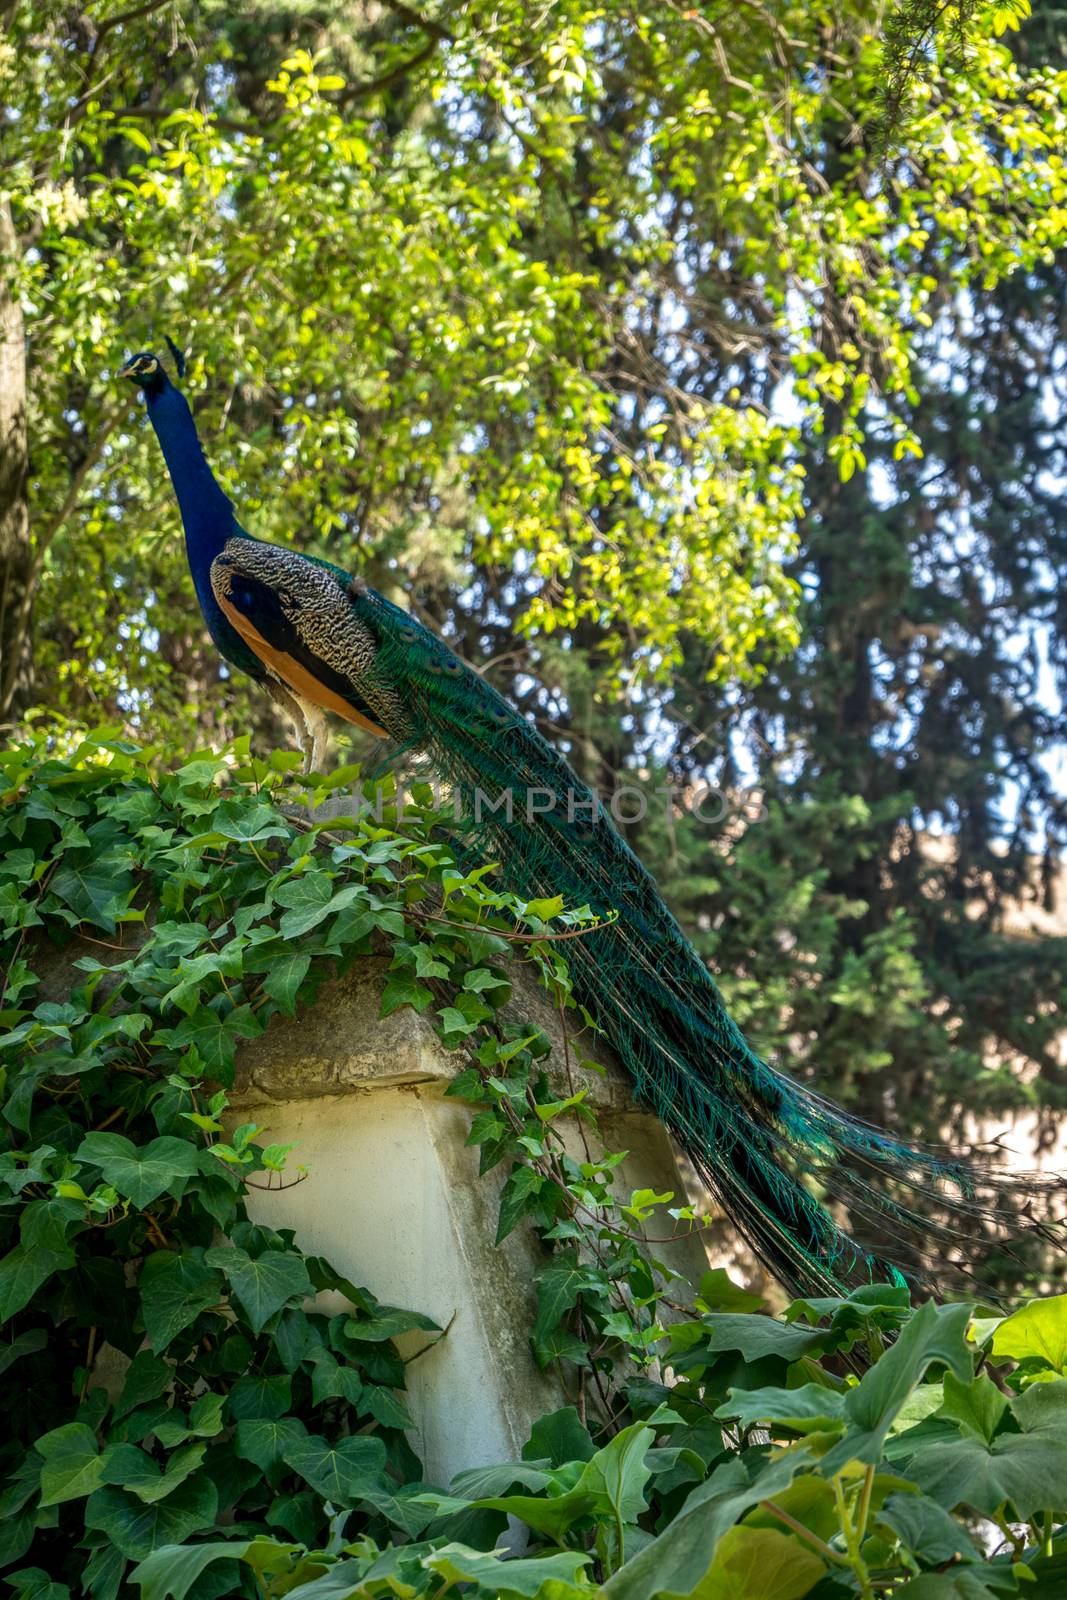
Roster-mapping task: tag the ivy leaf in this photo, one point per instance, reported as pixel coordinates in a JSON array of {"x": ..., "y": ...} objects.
[
  {"x": 138, "y": 1529},
  {"x": 282, "y": 982},
  {"x": 26, "y": 1344},
  {"x": 338, "y": 1472},
  {"x": 331, "y": 1380},
  {"x": 214, "y": 1035},
  {"x": 23, "y": 1271},
  {"x": 265, "y": 1440},
  {"x": 174, "y": 1290},
  {"x": 147, "y": 1377},
  {"x": 519, "y": 1195},
  {"x": 73, "y": 1466},
  {"x": 559, "y": 1437},
  {"x": 204, "y": 1419},
  {"x": 558, "y": 1288},
  {"x": 386, "y": 1322},
  {"x": 247, "y": 826},
  {"x": 135, "y": 1471},
  {"x": 311, "y": 897},
  {"x": 263, "y": 1284},
  {"x": 95, "y": 887},
  {"x": 141, "y": 1173},
  {"x": 403, "y": 989},
  {"x": 257, "y": 1396},
  {"x": 384, "y": 1406}
]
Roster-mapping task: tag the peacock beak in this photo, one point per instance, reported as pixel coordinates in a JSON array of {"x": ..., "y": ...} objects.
[{"x": 128, "y": 371}]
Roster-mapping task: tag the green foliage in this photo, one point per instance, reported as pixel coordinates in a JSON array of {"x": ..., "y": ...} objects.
[
  {"x": 722, "y": 1491},
  {"x": 166, "y": 1371},
  {"x": 184, "y": 1421},
  {"x": 439, "y": 275}
]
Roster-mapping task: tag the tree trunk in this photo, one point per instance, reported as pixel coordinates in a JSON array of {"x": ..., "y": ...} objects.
[{"x": 16, "y": 554}]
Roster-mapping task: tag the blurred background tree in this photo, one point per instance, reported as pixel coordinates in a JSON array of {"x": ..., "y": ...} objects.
[{"x": 695, "y": 370}]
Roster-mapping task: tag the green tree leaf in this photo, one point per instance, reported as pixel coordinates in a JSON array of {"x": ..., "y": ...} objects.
[
  {"x": 927, "y": 1530},
  {"x": 265, "y": 1440}
]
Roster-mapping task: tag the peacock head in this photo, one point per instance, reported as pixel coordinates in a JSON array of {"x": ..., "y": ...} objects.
[{"x": 147, "y": 372}]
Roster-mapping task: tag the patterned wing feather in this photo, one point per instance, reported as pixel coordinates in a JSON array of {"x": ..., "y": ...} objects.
[{"x": 298, "y": 618}]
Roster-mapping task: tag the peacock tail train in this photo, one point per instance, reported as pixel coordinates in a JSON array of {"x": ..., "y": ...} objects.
[{"x": 767, "y": 1147}]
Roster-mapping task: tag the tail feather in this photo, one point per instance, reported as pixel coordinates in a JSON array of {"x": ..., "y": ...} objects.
[{"x": 776, "y": 1154}]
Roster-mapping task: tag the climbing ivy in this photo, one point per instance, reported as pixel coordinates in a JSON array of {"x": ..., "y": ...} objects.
[{"x": 185, "y": 1419}]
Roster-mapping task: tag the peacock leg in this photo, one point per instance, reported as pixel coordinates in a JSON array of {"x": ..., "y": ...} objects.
[{"x": 317, "y": 736}]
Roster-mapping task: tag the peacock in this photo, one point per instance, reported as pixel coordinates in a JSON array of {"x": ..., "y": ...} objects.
[{"x": 780, "y": 1159}]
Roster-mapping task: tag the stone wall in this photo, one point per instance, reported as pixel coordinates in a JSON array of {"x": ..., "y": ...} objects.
[{"x": 394, "y": 1200}]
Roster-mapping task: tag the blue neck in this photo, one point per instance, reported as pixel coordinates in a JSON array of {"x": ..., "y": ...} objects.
[{"x": 207, "y": 515}]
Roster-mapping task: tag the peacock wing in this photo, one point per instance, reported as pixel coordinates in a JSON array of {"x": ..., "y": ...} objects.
[{"x": 298, "y": 619}]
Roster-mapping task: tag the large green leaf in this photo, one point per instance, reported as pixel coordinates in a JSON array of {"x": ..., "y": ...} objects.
[
  {"x": 518, "y": 1579},
  {"x": 808, "y": 1409},
  {"x": 264, "y": 1283},
  {"x": 265, "y": 1440},
  {"x": 927, "y": 1530},
  {"x": 678, "y": 1559},
  {"x": 95, "y": 887},
  {"x": 134, "y": 1470},
  {"x": 559, "y": 1437},
  {"x": 22, "y": 1272},
  {"x": 978, "y": 1406},
  {"x": 1027, "y": 1469},
  {"x": 1037, "y": 1331},
  {"x": 611, "y": 1484},
  {"x": 756, "y": 1564},
  {"x": 933, "y": 1334},
  {"x": 287, "y": 972},
  {"x": 757, "y": 1336},
  {"x": 965, "y": 1583},
  {"x": 172, "y": 1570}
]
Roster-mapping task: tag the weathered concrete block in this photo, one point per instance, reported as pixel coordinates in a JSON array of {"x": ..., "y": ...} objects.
[{"x": 394, "y": 1200}]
